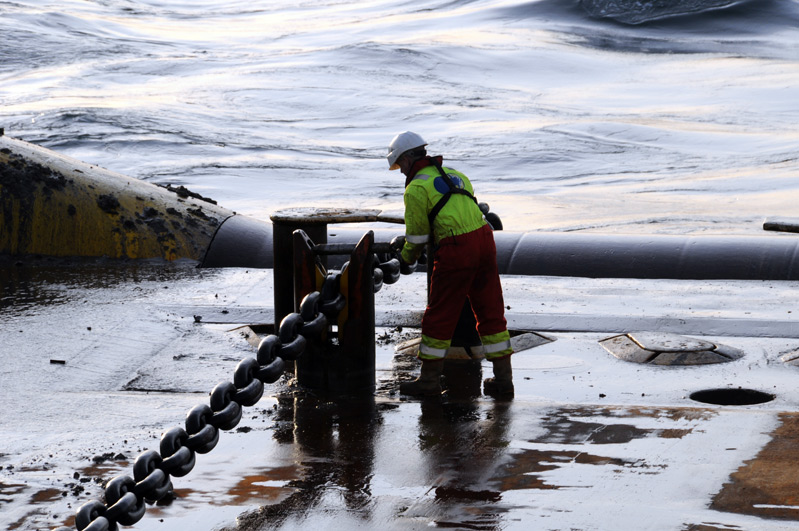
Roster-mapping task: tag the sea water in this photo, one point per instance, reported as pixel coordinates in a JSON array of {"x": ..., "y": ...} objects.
[{"x": 618, "y": 116}]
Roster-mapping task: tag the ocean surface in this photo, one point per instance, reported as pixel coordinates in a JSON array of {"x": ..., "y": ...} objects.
[{"x": 622, "y": 116}]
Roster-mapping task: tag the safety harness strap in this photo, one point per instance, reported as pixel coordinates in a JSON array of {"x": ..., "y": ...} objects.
[{"x": 443, "y": 201}]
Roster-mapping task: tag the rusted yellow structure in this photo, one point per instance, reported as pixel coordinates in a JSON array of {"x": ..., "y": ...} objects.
[{"x": 54, "y": 205}]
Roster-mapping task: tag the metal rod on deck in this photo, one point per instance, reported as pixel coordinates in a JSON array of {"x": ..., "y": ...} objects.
[{"x": 328, "y": 249}]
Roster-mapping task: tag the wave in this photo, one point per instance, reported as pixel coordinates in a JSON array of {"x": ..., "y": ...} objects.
[
  {"x": 742, "y": 28},
  {"x": 744, "y": 16},
  {"x": 766, "y": 14},
  {"x": 641, "y": 11}
]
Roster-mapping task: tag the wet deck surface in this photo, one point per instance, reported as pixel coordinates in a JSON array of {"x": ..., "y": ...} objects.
[{"x": 589, "y": 441}]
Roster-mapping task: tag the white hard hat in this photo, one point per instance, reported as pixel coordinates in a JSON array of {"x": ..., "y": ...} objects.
[{"x": 400, "y": 144}]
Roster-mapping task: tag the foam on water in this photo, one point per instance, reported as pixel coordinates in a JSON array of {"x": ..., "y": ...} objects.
[{"x": 682, "y": 121}]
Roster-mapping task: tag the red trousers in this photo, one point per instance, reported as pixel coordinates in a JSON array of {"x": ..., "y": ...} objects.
[{"x": 464, "y": 266}]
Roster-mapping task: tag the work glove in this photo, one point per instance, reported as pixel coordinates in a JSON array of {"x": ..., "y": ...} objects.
[
  {"x": 405, "y": 267},
  {"x": 397, "y": 243}
]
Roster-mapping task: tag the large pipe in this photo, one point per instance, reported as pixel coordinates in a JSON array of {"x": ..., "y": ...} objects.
[
  {"x": 241, "y": 241},
  {"x": 660, "y": 256},
  {"x": 772, "y": 257},
  {"x": 54, "y": 205}
]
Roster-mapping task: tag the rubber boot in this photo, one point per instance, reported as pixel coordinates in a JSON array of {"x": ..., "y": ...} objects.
[
  {"x": 501, "y": 385},
  {"x": 429, "y": 381}
]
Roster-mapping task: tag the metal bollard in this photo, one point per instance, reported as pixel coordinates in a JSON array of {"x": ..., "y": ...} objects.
[
  {"x": 309, "y": 276},
  {"x": 345, "y": 367},
  {"x": 357, "y": 321},
  {"x": 284, "y": 224},
  {"x": 313, "y": 222}
]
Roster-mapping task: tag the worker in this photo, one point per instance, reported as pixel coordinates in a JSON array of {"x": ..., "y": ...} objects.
[{"x": 440, "y": 205}]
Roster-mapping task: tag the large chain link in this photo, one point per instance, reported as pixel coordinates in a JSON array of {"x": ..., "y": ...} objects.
[
  {"x": 125, "y": 497},
  {"x": 389, "y": 266}
]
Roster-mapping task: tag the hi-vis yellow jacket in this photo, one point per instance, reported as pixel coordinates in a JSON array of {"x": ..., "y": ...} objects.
[{"x": 458, "y": 216}]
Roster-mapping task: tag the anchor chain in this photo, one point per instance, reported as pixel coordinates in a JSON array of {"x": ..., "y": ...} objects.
[
  {"x": 389, "y": 266},
  {"x": 126, "y": 497}
]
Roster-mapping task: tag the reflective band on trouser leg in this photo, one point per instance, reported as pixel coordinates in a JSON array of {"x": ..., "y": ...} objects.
[
  {"x": 433, "y": 349},
  {"x": 497, "y": 345}
]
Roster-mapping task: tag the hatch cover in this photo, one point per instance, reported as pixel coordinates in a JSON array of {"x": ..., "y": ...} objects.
[{"x": 659, "y": 348}]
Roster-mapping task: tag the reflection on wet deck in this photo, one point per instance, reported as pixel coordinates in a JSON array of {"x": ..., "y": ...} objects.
[{"x": 466, "y": 464}]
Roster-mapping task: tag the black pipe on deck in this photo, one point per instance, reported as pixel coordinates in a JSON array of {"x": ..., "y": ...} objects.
[
  {"x": 660, "y": 256},
  {"x": 569, "y": 254},
  {"x": 240, "y": 242}
]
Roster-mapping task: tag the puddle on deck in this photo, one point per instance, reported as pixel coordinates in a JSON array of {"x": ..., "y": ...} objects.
[{"x": 456, "y": 463}]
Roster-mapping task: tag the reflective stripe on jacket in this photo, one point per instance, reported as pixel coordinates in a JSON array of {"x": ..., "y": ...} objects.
[{"x": 459, "y": 215}]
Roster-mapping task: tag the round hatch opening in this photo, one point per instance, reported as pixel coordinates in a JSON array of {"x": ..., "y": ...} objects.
[{"x": 731, "y": 397}]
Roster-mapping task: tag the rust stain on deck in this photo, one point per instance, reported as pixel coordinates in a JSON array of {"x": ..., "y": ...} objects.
[
  {"x": 562, "y": 427},
  {"x": 523, "y": 471},
  {"x": 768, "y": 485},
  {"x": 252, "y": 487}
]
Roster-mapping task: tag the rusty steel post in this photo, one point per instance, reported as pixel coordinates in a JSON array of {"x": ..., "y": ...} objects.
[
  {"x": 309, "y": 273},
  {"x": 357, "y": 320},
  {"x": 283, "y": 258}
]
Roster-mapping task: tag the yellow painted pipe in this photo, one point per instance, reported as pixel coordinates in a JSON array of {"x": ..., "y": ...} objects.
[{"x": 54, "y": 205}]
